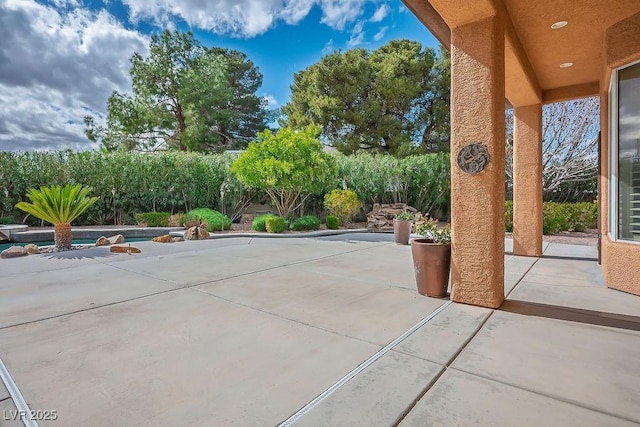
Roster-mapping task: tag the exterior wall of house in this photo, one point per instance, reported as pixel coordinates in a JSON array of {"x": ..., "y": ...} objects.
[{"x": 620, "y": 260}]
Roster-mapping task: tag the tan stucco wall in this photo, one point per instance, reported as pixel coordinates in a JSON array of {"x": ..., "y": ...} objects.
[
  {"x": 527, "y": 181},
  {"x": 477, "y": 116},
  {"x": 620, "y": 261}
]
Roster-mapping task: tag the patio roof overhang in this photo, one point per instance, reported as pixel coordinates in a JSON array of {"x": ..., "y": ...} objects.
[{"x": 533, "y": 50}]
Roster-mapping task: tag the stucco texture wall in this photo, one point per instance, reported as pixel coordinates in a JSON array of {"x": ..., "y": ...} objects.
[{"x": 620, "y": 260}]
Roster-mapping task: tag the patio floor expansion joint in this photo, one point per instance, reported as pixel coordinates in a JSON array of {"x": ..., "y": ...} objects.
[
  {"x": 364, "y": 365},
  {"x": 16, "y": 396}
]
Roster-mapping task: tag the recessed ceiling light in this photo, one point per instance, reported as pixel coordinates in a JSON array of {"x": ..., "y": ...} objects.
[
  {"x": 558, "y": 25},
  {"x": 566, "y": 64}
]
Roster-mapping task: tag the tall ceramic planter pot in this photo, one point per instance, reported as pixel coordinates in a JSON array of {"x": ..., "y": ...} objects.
[
  {"x": 402, "y": 231},
  {"x": 431, "y": 263}
]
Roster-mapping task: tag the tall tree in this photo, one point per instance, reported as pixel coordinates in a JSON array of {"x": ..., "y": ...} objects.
[
  {"x": 379, "y": 101},
  {"x": 185, "y": 97}
]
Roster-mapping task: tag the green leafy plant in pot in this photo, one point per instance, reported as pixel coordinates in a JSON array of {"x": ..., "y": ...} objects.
[
  {"x": 432, "y": 258},
  {"x": 402, "y": 224}
]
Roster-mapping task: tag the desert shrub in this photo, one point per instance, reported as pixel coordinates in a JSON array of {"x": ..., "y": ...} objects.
[
  {"x": 176, "y": 220},
  {"x": 153, "y": 219},
  {"x": 342, "y": 203},
  {"x": 508, "y": 216},
  {"x": 259, "y": 223},
  {"x": 4, "y": 220},
  {"x": 332, "y": 222},
  {"x": 275, "y": 224},
  {"x": 308, "y": 222},
  {"x": 210, "y": 219}
]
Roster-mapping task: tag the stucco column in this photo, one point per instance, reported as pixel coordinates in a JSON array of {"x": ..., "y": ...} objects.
[
  {"x": 477, "y": 201},
  {"x": 527, "y": 181}
]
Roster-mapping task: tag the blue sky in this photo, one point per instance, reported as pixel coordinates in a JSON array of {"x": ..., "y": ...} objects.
[{"x": 61, "y": 59}]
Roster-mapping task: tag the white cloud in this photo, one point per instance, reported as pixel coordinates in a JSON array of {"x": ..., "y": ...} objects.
[
  {"x": 246, "y": 18},
  {"x": 357, "y": 35},
  {"x": 272, "y": 102},
  {"x": 328, "y": 47},
  {"x": 380, "y": 13},
  {"x": 380, "y": 34},
  {"x": 56, "y": 67}
]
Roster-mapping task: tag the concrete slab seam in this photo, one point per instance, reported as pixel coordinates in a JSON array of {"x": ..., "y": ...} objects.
[
  {"x": 521, "y": 278},
  {"x": 302, "y": 411},
  {"x": 445, "y": 368},
  {"x": 17, "y": 397},
  {"x": 550, "y": 396}
]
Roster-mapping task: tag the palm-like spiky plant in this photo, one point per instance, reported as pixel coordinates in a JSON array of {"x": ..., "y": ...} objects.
[{"x": 59, "y": 206}]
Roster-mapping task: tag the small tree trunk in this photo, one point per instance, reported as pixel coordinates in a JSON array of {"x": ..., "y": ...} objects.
[{"x": 62, "y": 236}]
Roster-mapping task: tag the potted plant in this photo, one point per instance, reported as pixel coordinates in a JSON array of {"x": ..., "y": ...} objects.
[
  {"x": 402, "y": 223},
  {"x": 432, "y": 258}
]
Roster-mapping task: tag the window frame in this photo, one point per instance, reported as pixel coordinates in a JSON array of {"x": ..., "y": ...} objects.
[{"x": 614, "y": 161}]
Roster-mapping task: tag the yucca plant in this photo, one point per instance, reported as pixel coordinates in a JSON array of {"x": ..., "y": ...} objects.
[{"x": 59, "y": 206}]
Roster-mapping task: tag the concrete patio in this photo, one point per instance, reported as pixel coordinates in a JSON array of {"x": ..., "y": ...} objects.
[{"x": 245, "y": 331}]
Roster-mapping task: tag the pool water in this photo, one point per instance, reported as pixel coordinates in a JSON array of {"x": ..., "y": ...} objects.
[{"x": 4, "y": 246}]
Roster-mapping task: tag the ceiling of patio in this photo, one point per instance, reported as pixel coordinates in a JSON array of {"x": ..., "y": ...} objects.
[{"x": 533, "y": 50}]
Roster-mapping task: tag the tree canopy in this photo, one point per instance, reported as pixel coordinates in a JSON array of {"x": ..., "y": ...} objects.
[
  {"x": 185, "y": 97},
  {"x": 392, "y": 100},
  {"x": 288, "y": 165}
]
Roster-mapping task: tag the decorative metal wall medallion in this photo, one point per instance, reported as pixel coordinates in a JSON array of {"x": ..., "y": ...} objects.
[{"x": 473, "y": 158}]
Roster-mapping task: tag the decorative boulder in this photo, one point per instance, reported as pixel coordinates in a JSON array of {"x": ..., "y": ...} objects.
[
  {"x": 380, "y": 219},
  {"x": 32, "y": 249},
  {"x": 124, "y": 249},
  {"x": 196, "y": 233},
  {"x": 118, "y": 238},
  {"x": 162, "y": 239},
  {"x": 102, "y": 241},
  {"x": 14, "y": 252}
]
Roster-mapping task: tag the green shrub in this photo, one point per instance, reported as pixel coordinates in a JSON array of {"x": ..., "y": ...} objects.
[
  {"x": 259, "y": 223},
  {"x": 584, "y": 215},
  {"x": 308, "y": 222},
  {"x": 333, "y": 222},
  {"x": 4, "y": 220},
  {"x": 508, "y": 216},
  {"x": 153, "y": 219},
  {"x": 342, "y": 203},
  {"x": 275, "y": 224},
  {"x": 210, "y": 219}
]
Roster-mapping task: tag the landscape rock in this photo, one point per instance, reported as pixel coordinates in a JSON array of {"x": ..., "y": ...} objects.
[
  {"x": 162, "y": 239},
  {"x": 118, "y": 238},
  {"x": 102, "y": 241},
  {"x": 32, "y": 249},
  {"x": 14, "y": 252},
  {"x": 124, "y": 249},
  {"x": 196, "y": 233},
  {"x": 380, "y": 219}
]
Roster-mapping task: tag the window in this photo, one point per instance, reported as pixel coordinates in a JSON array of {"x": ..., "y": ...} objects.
[{"x": 625, "y": 154}]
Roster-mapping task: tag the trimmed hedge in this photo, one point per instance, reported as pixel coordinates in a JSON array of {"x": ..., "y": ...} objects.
[
  {"x": 275, "y": 224},
  {"x": 259, "y": 223},
  {"x": 153, "y": 219},
  {"x": 131, "y": 183},
  {"x": 559, "y": 217},
  {"x": 213, "y": 220},
  {"x": 332, "y": 222},
  {"x": 308, "y": 222}
]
